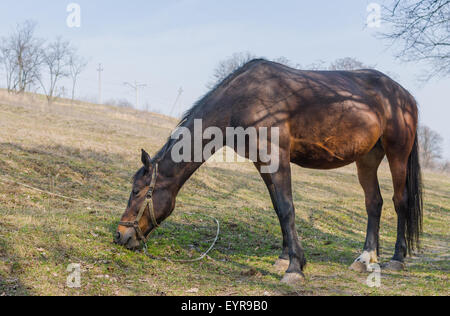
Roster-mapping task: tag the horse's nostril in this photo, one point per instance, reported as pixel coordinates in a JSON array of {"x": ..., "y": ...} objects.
[{"x": 117, "y": 237}]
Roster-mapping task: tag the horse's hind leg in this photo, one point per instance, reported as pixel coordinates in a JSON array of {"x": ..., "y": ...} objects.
[
  {"x": 367, "y": 173},
  {"x": 398, "y": 164}
]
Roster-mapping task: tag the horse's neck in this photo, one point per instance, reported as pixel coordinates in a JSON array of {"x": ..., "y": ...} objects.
[
  {"x": 171, "y": 178},
  {"x": 180, "y": 173},
  {"x": 173, "y": 175},
  {"x": 176, "y": 174}
]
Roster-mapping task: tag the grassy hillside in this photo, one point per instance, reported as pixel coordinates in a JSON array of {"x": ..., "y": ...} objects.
[{"x": 90, "y": 152}]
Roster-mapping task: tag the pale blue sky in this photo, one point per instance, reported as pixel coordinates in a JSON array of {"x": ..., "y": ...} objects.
[{"x": 173, "y": 43}]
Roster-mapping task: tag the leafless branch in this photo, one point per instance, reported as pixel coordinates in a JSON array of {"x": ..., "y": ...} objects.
[
  {"x": 21, "y": 55},
  {"x": 430, "y": 146},
  {"x": 422, "y": 28},
  {"x": 76, "y": 66},
  {"x": 56, "y": 61}
]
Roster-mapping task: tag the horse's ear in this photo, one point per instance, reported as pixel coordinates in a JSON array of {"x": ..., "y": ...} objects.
[{"x": 146, "y": 159}]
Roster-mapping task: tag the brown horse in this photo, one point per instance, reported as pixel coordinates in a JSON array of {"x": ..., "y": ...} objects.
[{"x": 326, "y": 120}]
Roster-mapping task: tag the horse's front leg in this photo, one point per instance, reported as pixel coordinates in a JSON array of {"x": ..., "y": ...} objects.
[
  {"x": 280, "y": 188},
  {"x": 297, "y": 261},
  {"x": 282, "y": 263}
]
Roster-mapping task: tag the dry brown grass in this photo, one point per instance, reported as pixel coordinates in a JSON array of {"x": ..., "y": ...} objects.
[{"x": 90, "y": 152}]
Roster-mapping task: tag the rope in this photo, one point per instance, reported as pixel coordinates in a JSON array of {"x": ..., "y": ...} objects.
[
  {"x": 191, "y": 260},
  {"x": 8, "y": 180}
]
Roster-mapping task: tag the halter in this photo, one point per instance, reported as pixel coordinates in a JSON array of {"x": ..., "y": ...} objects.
[{"x": 148, "y": 204}]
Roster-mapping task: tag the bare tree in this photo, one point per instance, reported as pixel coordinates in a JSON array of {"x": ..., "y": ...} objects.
[
  {"x": 445, "y": 167},
  {"x": 237, "y": 60},
  {"x": 422, "y": 27},
  {"x": 287, "y": 62},
  {"x": 9, "y": 64},
  {"x": 122, "y": 103},
  {"x": 76, "y": 66},
  {"x": 430, "y": 146},
  {"x": 228, "y": 66},
  {"x": 21, "y": 54},
  {"x": 318, "y": 65},
  {"x": 347, "y": 64},
  {"x": 56, "y": 61}
]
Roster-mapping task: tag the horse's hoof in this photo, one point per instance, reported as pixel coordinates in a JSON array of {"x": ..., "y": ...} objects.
[
  {"x": 293, "y": 279},
  {"x": 395, "y": 266},
  {"x": 281, "y": 265},
  {"x": 362, "y": 264},
  {"x": 359, "y": 267}
]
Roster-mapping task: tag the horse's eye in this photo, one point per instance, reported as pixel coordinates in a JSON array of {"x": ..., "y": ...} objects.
[{"x": 135, "y": 192}]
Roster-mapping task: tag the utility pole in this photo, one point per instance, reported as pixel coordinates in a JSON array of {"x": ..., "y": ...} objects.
[
  {"x": 100, "y": 70},
  {"x": 180, "y": 92},
  {"x": 136, "y": 87}
]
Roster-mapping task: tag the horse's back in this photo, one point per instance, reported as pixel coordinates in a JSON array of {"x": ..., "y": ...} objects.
[{"x": 332, "y": 117}]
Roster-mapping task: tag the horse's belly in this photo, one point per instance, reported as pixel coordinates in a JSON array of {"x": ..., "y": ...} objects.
[
  {"x": 333, "y": 136},
  {"x": 317, "y": 156}
]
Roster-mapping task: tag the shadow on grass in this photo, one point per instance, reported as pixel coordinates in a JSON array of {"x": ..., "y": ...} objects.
[
  {"x": 240, "y": 243},
  {"x": 13, "y": 287},
  {"x": 87, "y": 174},
  {"x": 10, "y": 267}
]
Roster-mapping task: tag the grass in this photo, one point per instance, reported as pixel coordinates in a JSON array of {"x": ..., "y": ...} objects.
[{"x": 90, "y": 152}]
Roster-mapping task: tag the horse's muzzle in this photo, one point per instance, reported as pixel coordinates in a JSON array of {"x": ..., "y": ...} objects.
[{"x": 127, "y": 239}]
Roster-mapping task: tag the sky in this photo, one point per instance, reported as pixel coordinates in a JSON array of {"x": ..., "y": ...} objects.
[{"x": 177, "y": 43}]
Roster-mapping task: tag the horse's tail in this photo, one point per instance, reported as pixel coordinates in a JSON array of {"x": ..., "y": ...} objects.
[{"x": 414, "y": 217}]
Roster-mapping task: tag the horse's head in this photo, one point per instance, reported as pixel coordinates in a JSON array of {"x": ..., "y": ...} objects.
[{"x": 140, "y": 217}]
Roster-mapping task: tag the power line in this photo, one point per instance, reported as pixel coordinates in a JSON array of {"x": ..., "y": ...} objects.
[
  {"x": 180, "y": 92},
  {"x": 100, "y": 70},
  {"x": 136, "y": 87}
]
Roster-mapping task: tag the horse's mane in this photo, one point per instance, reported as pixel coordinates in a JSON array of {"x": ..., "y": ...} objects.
[
  {"x": 200, "y": 103},
  {"x": 197, "y": 105}
]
